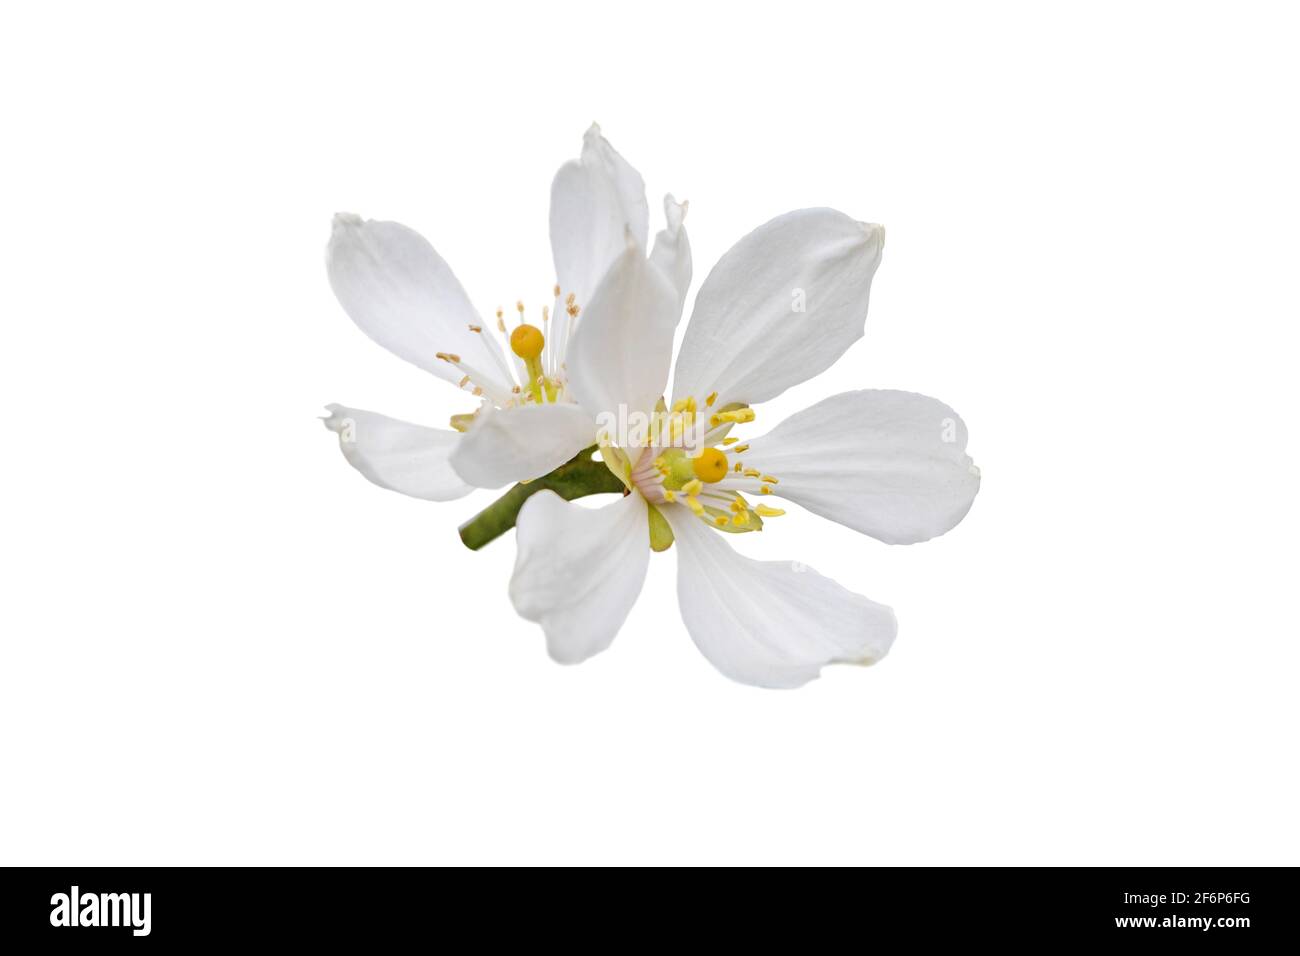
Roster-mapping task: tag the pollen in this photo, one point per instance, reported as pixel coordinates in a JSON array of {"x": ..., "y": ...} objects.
[
  {"x": 737, "y": 416},
  {"x": 710, "y": 465},
  {"x": 526, "y": 341}
]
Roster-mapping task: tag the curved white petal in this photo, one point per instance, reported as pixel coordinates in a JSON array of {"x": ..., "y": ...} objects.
[
  {"x": 397, "y": 455},
  {"x": 887, "y": 463},
  {"x": 671, "y": 254},
  {"x": 781, "y": 306},
  {"x": 515, "y": 444},
  {"x": 623, "y": 347},
  {"x": 579, "y": 570},
  {"x": 393, "y": 285},
  {"x": 770, "y": 623},
  {"x": 595, "y": 201}
]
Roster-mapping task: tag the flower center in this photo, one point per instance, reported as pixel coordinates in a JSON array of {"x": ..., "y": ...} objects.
[
  {"x": 691, "y": 459},
  {"x": 540, "y": 374}
]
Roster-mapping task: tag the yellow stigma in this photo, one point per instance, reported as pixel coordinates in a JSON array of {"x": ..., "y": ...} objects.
[
  {"x": 526, "y": 341},
  {"x": 710, "y": 465}
]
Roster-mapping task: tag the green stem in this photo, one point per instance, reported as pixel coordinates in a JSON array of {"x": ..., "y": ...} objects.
[{"x": 576, "y": 478}]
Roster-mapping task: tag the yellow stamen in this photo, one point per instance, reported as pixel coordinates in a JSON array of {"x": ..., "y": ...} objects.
[
  {"x": 722, "y": 520},
  {"x": 766, "y": 512},
  {"x": 737, "y": 416},
  {"x": 764, "y": 490},
  {"x": 771, "y": 479},
  {"x": 740, "y": 449},
  {"x": 669, "y": 495},
  {"x": 693, "y": 487},
  {"x": 695, "y": 506},
  {"x": 753, "y": 473},
  {"x": 729, "y": 440},
  {"x": 451, "y": 357},
  {"x": 713, "y": 397}
]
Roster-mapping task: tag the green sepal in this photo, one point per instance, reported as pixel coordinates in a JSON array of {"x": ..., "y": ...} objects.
[{"x": 661, "y": 532}]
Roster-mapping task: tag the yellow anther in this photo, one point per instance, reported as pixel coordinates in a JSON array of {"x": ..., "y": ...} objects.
[
  {"x": 527, "y": 341},
  {"x": 710, "y": 465},
  {"x": 690, "y": 404},
  {"x": 764, "y": 490},
  {"x": 695, "y": 506},
  {"x": 740, "y": 518},
  {"x": 739, "y": 468},
  {"x": 476, "y": 328},
  {"x": 679, "y": 405},
  {"x": 463, "y": 382},
  {"x": 556, "y": 290},
  {"x": 573, "y": 311},
  {"x": 766, "y": 512},
  {"x": 737, "y": 416},
  {"x": 520, "y": 306},
  {"x": 713, "y": 397},
  {"x": 740, "y": 449},
  {"x": 570, "y": 299},
  {"x": 477, "y": 391},
  {"x": 771, "y": 479},
  {"x": 753, "y": 473},
  {"x": 693, "y": 487},
  {"x": 669, "y": 495},
  {"x": 729, "y": 440},
  {"x": 722, "y": 520}
]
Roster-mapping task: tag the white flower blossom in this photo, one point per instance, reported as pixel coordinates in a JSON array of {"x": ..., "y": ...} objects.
[{"x": 780, "y": 307}]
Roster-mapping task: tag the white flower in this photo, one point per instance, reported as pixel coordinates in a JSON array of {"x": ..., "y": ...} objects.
[
  {"x": 781, "y": 306},
  {"x": 401, "y": 293}
]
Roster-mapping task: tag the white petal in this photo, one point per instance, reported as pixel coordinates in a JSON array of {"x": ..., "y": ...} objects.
[
  {"x": 671, "y": 254},
  {"x": 595, "y": 200},
  {"x": 397, "y": 455},
  {"x": 781, "y": 306},
  {"x": 516, "y": 444},
  {"x": 770, "y": 623},
  {"x": 889, "y": 464},
  {"x": 579, "y": 570},
  {"x": 623, "y": 346},
  {"x": 393, "y": 284}
]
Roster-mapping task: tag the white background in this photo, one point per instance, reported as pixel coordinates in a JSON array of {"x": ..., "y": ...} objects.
[{"x": 222, "y": 645}]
